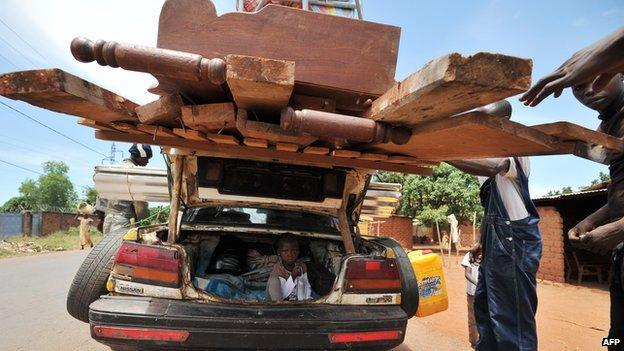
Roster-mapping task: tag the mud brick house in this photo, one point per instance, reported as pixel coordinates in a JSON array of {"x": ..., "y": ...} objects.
[{"x": 558, "y": 215}]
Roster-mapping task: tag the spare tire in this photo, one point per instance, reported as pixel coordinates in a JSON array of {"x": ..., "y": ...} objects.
[{"x": 90, "y": 280}]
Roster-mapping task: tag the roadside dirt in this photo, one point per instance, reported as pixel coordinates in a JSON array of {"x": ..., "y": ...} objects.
[{"x": 569, "y": 317}]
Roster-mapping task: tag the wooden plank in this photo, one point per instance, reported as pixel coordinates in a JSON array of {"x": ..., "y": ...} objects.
[
  {"x": 373, "y": 157},
  {"x": 268, "y": 131},
  {"x": 59, "y": 91},
  {"x": 95, "y": 124},
  {"x": 566, "y": 131},
  {"x": 223, "y": 139},
  {"x": 452, "y": 84},
  {"x": 316, "y": 150},
  {"x": 256, "y": 143},
  {"x": 287, "y": 147},
  {"x": 360, "y": 55},
  {"x": 190, "y": 134},
  {"x": 472, "y": 135},
  {"x": 258, "y": 83},
  {"x": 268, "y": 155},
  {"x": 127, "y": 128},
  {"x": 164, "y": 111},
  {"x": 209, "y": 117},
  {"x": 346, "y": 153},
  {"x": 157, "y": 131},
  {"x": 412, "y": 160}
]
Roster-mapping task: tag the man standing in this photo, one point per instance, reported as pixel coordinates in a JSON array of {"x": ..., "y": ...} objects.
[
  {"x": 511, "y": 247},
  {"x": 594, "y": 74},
  {"x": 122, "y": 213}
]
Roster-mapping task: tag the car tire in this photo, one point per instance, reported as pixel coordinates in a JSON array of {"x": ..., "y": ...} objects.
[{"x": 90, "y": 280}]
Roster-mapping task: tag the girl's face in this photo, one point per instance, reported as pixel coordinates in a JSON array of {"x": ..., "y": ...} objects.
[{"x": 289, "y": 252}]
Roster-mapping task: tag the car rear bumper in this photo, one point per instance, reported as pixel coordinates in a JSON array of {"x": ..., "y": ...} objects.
[{"x": 120, "y": 322}]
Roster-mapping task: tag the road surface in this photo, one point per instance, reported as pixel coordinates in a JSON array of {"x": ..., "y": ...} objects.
[{"x": 32, "y": 306}]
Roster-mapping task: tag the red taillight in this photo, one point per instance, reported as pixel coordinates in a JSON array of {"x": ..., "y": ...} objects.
[
  {"x": 372, "y": 275},
  {"x": 141, "y": 333},
  {"x": 382, "y": 335},
  {"x": 148, "y": 264}
]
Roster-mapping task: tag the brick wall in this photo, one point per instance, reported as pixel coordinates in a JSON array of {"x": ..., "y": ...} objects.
[
  {"x": 397, "y": 227},
  {"x": 551, "y": 228},
  {"x": 55, "y": 221}
]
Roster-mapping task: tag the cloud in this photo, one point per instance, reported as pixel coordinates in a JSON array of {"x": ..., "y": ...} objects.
[
  {"x": 581, "y": 22},
  {"x": 611, "y": 12}
]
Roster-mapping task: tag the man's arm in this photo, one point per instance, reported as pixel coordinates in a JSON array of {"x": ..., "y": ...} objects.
[
  {"x": 597, "y": 63},
  {"x": 141, "y": 209},
  {"x": 591, "y": 222},
  {"x": 604, "y": 238},
  {"x": 469, "y": 276},
  {"x": 488, "y": 167}
]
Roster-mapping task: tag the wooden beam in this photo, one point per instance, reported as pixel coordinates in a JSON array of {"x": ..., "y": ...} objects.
[
  {"x": 317, "y": 150},
  {"x": 287, "y": 147},
  {"x": 268, "y": 131},
  {"x": 59, "y": 91},
  {"x": 256, "y": 143},
  {"x": 157, "y": 131},
  {"x": 223, "y": 139},
  {"x": 258, "y": 83},
  {"x": 209, "y": 117},
  {"x": 127, "y": 128},
  {"x": 472, "y": 135},
  {"x": 164, "y": 111},
  {"x": 452, "y": 84},
  {"x": 95, "y": 124},
  {"x": 566, "y": 131},
  {"x": 190, "y": 134},
  {"x": 346, "y": 153},
  {"x": 412, "y": 160},
  {"x": 268, "y": 155},
  {"x": 373, "y": 157}
]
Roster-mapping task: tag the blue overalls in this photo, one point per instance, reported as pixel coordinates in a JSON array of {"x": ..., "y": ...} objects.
[{"x": 506, "y": 298}]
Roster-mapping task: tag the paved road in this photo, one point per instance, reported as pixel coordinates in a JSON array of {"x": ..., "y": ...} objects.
[{"x": 33, "y": 315}]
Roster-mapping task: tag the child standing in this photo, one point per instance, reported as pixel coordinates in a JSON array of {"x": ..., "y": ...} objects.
[{"x": 471, "y": 272}]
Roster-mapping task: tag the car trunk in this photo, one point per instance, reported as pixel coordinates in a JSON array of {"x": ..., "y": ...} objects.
[{"x": 235, "y": 265}]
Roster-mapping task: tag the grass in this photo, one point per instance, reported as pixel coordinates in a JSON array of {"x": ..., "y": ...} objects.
[{"x": 59, "y": 241}]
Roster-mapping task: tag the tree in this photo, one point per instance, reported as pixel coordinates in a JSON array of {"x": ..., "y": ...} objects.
[
  {"x": 563, "y": 191},
  {"x": 90, "y": 195},
  {"x": 602, "y": 178},
  {"x": 51, "y": 191},
  {"x": 431, "y": 198}
]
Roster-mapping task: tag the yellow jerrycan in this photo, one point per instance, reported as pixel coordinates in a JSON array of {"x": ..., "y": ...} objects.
[{"x": 433, "y": 297}]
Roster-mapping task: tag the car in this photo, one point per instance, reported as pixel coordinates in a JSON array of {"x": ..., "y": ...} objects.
[{"x": 204, "y": 288}]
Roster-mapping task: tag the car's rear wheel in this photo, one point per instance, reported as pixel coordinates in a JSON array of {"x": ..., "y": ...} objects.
[{"x": 90, "y": 280}]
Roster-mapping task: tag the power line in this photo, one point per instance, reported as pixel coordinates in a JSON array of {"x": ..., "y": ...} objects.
[
  {"x": 52, "y": 129},
  {"x": 18, "y": 51},
  {"x": 9, "y": 61},
  {"x": 14, "y": 165},
  {"x": 24, "y": 40}
]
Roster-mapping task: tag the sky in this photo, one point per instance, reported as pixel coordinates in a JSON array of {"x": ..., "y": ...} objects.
[{"x": 36, "y": 34}]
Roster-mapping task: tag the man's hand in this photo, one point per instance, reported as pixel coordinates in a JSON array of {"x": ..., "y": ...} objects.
[
  {"x": 597, "y": 63},
  {"x": 475, "y": 253},
  {"x": 574, "y": 234},
  {"x": 604, "y": 238}
]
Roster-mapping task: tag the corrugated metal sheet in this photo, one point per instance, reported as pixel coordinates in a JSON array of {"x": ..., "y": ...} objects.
[
  {"x": 131, "y": 183},
  {"x": 381, "y": 200},
  {"x": 10, "y": 224}
]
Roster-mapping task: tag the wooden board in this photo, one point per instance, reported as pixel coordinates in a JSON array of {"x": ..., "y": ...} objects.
[
  {"x": 59, "y": 91},
  {"x": 157, "y": 131},
  {"x": 95, "y": 124},
  {"x": 268, "y": 155},
  {"x": 256, "y": 143},
  {"x": 566, "y": 131},
  {"x": 452, "y": 84},
  {"x": 190, "y": 134},
  {"x": 258, "y": 83},
  {"x": 316, "y": 150},
  {"x": 165, "y": 111},
  {"x": 268, "y": 131},
  {"x": 472, "y": 135},
  {"x": 209, "y": 117},
  {"x": 287, "y": 147},
  {"x": 127, "y": 128},
  {"x": 360, "y": 55},
  {"x": 346, "y": 153}
]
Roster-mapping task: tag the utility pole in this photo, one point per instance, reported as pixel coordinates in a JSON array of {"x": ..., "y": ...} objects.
[{"x": 111, "y": 159}]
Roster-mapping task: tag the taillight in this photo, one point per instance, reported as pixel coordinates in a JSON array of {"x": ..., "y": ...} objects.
[
  {"x": 372, "y": 276},
  {"x": 148, "y": 264},
  {"x": 141, "y": 333},
  {"x": 369, "y": 336}
]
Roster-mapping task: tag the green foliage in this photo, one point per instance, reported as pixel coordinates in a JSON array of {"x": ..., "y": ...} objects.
[
  {"x": 90, "y": 195},
  {"x": 602, "y": 178},
  {"x": 157, "y": 215},
  {"x": 563, "y": 191},
  {"x": 431, "y": 198},
  {"x": 51, "y": 191}
]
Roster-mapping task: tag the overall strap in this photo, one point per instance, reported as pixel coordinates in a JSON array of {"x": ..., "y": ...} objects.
[{"x": 523, "y": 181}]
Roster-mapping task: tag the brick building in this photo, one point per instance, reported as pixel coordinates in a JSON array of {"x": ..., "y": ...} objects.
[
  {"x": 400, "y": 228},
  {"x": 558, "y": 215}
]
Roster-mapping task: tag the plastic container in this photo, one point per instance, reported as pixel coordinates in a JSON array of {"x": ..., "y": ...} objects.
[{"x": 433, "y": 296}]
